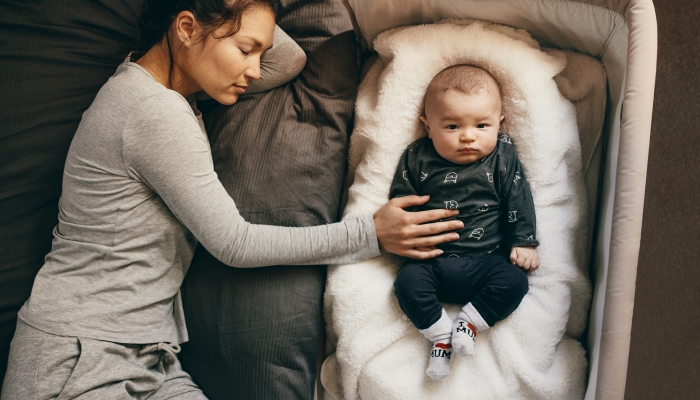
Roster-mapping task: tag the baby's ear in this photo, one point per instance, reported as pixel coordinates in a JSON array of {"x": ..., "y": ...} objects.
[
  {"x": 425, "y": 124},
  {"x": 502, "y": 118}
]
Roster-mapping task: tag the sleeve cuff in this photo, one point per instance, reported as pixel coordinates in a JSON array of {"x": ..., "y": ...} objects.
[
  {"x": 523, "y": 243},
  {"x": 370, "y": 234}
]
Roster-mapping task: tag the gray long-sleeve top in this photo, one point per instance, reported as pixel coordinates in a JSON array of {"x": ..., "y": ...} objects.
[{"x": 139, "y": 192}]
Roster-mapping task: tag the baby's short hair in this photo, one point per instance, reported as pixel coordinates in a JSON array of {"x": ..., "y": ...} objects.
[{"x": 464, "y": 78}]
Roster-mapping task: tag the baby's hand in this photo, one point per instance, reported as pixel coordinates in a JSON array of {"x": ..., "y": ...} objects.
[{"x": 525, "y": 258}]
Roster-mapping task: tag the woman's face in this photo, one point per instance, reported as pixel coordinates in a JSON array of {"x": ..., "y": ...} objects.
[{"x": 224, "y": 67}]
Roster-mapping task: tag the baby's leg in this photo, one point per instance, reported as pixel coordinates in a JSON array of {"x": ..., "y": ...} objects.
[
  {"x": 465, "y": 328},
  {"x": 416, "y": 290},
  {"x": 502, "y": 287}
]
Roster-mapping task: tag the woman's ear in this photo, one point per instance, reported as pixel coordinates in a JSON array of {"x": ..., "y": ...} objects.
[
  {"x": 186, "y": 26},
  {"x": 425, "y": 124}
]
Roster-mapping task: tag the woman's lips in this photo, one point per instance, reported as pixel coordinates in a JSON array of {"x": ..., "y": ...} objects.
[{"x": 240, "y": 89}]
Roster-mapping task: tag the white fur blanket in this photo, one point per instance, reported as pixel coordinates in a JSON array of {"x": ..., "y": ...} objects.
[{"x": 533, "y": 354}]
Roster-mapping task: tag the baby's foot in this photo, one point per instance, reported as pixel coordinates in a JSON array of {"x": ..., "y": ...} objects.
[
  {"x": 463, "y": 337},
  {"x": 440, "y": 360}
]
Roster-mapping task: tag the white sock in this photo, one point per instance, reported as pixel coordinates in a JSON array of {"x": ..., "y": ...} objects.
[
  {"x": 465, "y": 328},
  {"x": 439, "y": 334}
]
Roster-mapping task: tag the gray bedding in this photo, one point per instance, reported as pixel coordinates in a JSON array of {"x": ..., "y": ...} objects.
[{"x": 281, "y": 155}]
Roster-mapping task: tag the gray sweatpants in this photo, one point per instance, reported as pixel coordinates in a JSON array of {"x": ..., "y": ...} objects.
[{"x": 45, "y": 366}]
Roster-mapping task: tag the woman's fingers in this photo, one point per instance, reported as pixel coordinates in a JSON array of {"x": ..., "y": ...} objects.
[
  {"x": 426, "y": 248},
  {"x": 422, "y": 217},
  {"x": 436, "y": 228},
  {"x": 426, "y": 241},
  {"x": 408, "y": 201},
  {"x": 400, "y": 232},
  {"x": 422, "y": 255}
]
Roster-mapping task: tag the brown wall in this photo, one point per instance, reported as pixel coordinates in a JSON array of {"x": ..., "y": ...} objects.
[{"x": 664, "y": 358}]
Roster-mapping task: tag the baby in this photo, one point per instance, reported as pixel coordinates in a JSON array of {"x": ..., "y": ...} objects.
[{"x": 466, "y": 164}]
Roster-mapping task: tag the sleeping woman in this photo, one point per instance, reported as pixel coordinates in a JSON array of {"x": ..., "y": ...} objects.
[{"x": 104, "y": 319}]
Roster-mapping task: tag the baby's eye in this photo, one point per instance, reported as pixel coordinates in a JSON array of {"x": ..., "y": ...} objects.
[
  {"x": 452, "y": 127},
  {"x": 481, "y": 126}
]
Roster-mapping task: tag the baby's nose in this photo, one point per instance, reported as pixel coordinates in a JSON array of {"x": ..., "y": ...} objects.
[{"x": 467, "y": 136}]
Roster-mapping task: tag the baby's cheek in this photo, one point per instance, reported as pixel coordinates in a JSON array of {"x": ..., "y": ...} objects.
[
  {"x": 491, "y": 143},
  {"x": 443, "y": 148}
]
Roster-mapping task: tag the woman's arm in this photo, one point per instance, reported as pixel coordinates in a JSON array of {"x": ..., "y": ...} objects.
[{"x": 165, "y": 149}]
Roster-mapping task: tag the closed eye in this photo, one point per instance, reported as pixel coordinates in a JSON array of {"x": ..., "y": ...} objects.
[{"x": 245, "y": 53}]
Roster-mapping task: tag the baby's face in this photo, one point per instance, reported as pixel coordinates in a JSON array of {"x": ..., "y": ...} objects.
[{"x": 463, "y": 127}]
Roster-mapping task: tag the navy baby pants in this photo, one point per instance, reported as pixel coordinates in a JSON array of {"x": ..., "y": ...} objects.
[{"x": 491, "y": 283}]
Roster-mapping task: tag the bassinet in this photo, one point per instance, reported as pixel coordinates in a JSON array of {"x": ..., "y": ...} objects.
[{"x": 622, "y": 34}]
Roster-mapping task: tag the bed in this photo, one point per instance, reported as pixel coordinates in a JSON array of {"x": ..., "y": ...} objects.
[{"x": 55, "y": 56}]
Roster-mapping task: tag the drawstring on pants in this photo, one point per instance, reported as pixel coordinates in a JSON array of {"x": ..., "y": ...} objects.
[{"x": 170, "y": 350}]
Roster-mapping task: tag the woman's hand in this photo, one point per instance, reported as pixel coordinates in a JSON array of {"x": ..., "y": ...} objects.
[{"x": 400, "y": 232}]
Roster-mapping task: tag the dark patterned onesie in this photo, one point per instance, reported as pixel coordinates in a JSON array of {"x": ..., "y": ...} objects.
[{"x": 498, "y": 213}]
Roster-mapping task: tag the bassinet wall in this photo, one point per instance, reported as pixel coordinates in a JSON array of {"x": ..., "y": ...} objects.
[{"x": 622, "y": 34}]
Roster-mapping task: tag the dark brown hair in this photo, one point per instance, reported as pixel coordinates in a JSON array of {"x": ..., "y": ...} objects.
[{"x": 158, "y": 15}]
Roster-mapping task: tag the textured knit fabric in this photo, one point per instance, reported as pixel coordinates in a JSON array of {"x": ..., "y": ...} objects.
[
  {"x": 492, "y": 195},
  {"x": 46, "y": 366},
  {"x": 139, "y": 192},
  {"x": 491, "y": 283}
]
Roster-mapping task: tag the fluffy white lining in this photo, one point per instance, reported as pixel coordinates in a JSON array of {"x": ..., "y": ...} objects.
[{"x": 533, "y": 354}]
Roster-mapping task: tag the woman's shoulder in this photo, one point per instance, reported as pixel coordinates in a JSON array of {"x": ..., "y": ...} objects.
[
  {"x": 131, "y": 95},
  {"x": 132, "y": 84}
]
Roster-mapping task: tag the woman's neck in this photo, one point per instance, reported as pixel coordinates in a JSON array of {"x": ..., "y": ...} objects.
[{"x": 157, "y": 62}]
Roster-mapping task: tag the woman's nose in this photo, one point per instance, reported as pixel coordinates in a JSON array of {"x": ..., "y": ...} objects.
[{"x": 253, "y": 71}]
